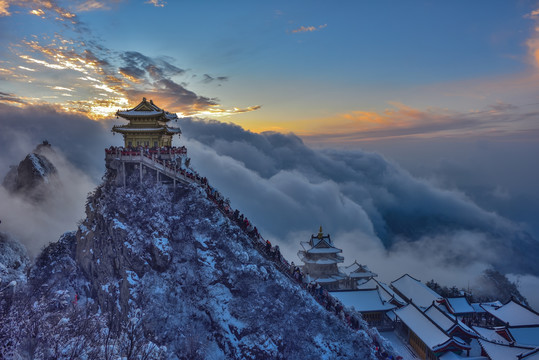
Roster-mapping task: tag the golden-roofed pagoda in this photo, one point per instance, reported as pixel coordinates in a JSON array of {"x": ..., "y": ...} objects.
[{"x": 147, "y": 126}]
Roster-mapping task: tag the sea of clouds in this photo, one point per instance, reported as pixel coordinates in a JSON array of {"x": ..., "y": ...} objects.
[{"x": 375, "y": 210}]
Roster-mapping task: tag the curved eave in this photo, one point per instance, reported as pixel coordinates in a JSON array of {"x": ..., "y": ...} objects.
[
  {"x": 172, "y": 130},
  {"x": 165, "y": 130},
  {"x": 324, "y": 251},
  {"x": 457, "y": 328},
  {"x": 153, "y": 117},
  {"x": 139, "y": 130},
  {"x": 450, "y": 343}
]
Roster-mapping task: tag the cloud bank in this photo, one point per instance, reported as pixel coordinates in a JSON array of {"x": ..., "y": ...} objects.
[
  {"x": 38, "y": 223},
  {"x": 375, "y": 210},
  {"x": 79, "y": 158}
]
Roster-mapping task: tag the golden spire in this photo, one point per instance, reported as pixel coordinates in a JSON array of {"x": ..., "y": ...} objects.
[{"x": 320, "y": 233}]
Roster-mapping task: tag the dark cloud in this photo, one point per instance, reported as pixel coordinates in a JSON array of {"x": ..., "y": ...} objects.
[
  {"x": 133, "y": 72},
  {"x": 501, "y": 106},
  {"x": 208, "y": 78},
  {"x": 178, "y": 97},
  {"x": 11, "y": 98},
  {"x": 157, "y": 68},
  {"x": 157, "y": 73}
]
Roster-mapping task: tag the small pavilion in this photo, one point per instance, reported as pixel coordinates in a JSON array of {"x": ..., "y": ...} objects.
[
  {"x": 148, "y": 126},
  {"x": 321, "y": 259}
]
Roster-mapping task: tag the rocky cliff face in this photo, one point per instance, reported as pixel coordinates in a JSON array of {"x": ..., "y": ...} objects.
[
  {"x": 159, "y": 273},
  {"x": 33, "y": 176},
  {"x": 14, "y": 262}
]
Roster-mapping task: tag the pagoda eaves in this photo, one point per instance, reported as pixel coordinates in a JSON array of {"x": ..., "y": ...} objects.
[{"x": 147, "y": 126}]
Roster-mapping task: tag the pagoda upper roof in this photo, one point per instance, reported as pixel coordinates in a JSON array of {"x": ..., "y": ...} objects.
[
  {"x": 147, "y": 109},
  {"x": 129, "y": 129},
  {"x": 321, "y": 244}
]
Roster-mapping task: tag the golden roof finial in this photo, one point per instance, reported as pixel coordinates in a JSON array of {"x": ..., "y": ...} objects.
[{"x": 320, "y": 233}]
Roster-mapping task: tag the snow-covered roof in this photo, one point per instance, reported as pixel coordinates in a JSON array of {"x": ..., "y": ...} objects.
[
  {"x": 367, "y": 284},
  {"x": 414, "y": 290},
  {"x": 527, "y": 335},
  {"x": 514, "y": 314},
  {"x": 447, "y": 322},
  {"x": 460, "y": 305},
  {"x": 320, "y": 250},
  {"x": 363, "y": 300},
  {"x": 490, "y": 335},
  {"x": 320, "y": 241},
  {"x": 425, "y": 329},
  {"x": 386, "y": 293},
  {"x": 324, "y": 251},
  {"x": 530, "y": 355},
  {"x": 497, "y": 351},
  {"x": 478, "y": 307},
  {"x": 321, "y": 261},
  {"x": 147, "y": 109},
  {"x": 140, "y": 113}
]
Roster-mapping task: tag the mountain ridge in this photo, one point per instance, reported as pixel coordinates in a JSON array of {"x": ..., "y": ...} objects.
[{"x": 166, "y": 271}]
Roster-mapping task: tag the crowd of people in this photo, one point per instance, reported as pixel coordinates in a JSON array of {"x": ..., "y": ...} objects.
[
  {"x": 321, "y": 295},
  {"x": 139, "y": 150},
  {"x": 273, "y": 253}
]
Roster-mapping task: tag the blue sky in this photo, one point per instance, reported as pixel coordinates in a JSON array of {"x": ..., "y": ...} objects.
[{"x": 299, "y": 60}]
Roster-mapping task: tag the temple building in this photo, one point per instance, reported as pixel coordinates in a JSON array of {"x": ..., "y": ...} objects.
[
  {"x": 321, "y": 259},
  {"x": 428, "y": 340},
  {"x": 357, "y": 274},
  {"x": 148, "y": 126},
  {"x": 413, "y": 290}
]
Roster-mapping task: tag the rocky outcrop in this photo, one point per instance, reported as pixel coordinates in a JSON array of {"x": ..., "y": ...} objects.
[
  {"x": 34, "y": 175},
  {"x": 196, "y": 282}
]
